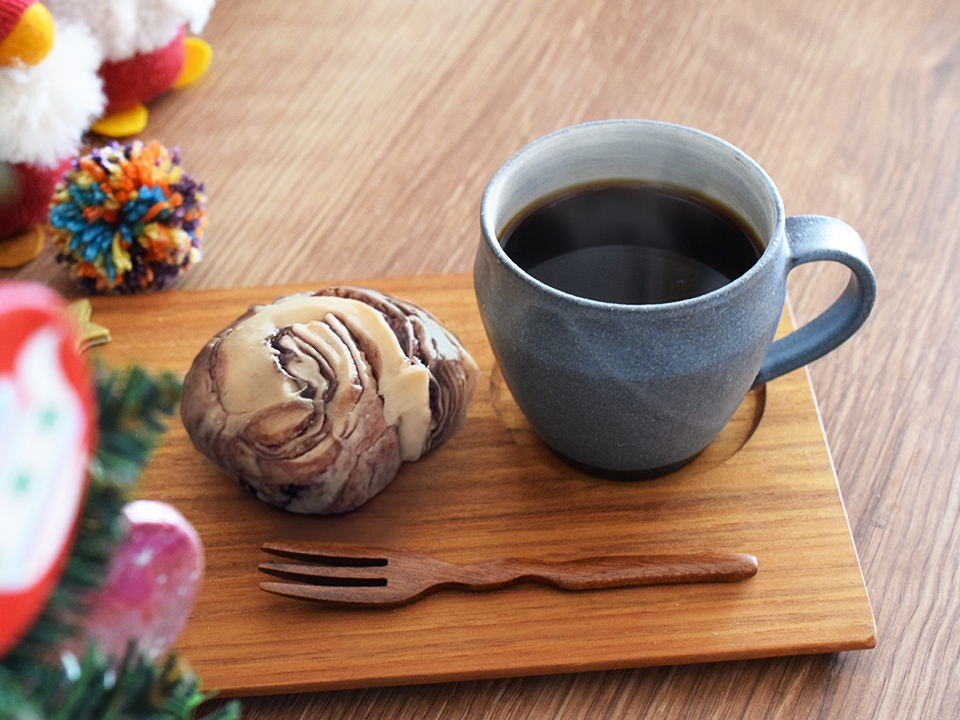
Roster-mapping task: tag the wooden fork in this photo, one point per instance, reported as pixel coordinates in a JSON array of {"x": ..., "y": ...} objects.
[{"x": 361, "y": 576}]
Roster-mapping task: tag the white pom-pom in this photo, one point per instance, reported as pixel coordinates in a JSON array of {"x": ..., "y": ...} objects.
[
  {"x": 127, "y": 27},
  {"x": 48, "y": 106}
]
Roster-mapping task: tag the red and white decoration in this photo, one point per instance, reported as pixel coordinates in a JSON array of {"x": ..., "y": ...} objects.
[{"x": 47, "y": 420}]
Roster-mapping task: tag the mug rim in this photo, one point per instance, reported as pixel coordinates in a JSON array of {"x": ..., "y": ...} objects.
[{"x": 773, "y": 242}]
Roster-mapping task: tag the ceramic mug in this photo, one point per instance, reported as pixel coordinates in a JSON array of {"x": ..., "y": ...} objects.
[{"x": 635, "y": 391}]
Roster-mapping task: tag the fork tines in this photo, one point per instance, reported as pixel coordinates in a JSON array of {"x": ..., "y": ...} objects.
[
  {"x": 339, "y": 574},
  {"x": 347, "y": 555},
  {"x": 353, "y": 570}
]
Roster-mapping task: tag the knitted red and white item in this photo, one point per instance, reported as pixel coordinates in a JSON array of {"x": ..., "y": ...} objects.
[
  {"x": 47, "y": 104},
  {"x": 10, "y": 13},
  {"x": 141, "y": 42},
  {"x": 142, "y": 76},
  {"x": 31, "y": 200}
]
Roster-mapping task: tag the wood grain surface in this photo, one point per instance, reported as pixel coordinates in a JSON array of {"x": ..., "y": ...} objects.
[
  {"x": 353, "y": 138},
  {"x": 765, "y": 487}
]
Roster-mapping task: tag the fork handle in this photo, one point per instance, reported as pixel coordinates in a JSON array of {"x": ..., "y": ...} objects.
[{"x": 609, "y": 571}]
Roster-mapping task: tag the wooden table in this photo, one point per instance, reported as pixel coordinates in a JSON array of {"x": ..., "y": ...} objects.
[{"x": 354, "y": 139}]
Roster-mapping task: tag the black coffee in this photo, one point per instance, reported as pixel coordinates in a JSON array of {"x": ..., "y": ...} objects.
[{"x": 631, "y": 243}]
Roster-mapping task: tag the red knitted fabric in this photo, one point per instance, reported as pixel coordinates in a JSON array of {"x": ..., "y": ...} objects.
[
  {"x": 35, "y": 185},
  {"x": 10, "y": 14},
  {"x": 142, "y": 77}
]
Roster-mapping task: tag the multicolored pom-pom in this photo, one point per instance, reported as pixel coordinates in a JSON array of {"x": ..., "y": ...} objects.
[{"x": 127, "y": 218}]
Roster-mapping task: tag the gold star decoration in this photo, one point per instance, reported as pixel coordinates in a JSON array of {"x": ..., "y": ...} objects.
[{"x": 90, "y": 334}]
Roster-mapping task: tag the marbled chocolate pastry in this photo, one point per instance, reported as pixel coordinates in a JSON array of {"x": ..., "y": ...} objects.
[{"x": 312, "y": 402}]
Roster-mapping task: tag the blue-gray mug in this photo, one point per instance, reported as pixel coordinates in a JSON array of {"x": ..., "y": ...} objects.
[{"x": 638, "y": 390}]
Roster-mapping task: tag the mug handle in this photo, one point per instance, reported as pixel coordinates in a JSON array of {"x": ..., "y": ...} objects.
[{"x": 811, "y": 238}]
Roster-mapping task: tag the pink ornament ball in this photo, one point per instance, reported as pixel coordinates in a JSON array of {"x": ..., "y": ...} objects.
[{"x": 154, "y": 579}]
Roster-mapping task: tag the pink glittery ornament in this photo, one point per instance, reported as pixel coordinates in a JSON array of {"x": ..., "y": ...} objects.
[{"x": 153, "y": 582}]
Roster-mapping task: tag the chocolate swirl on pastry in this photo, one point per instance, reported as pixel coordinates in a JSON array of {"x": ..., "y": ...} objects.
[{"x": 312, "y": 402}]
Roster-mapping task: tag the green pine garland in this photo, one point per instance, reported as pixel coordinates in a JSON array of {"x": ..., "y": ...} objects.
[{"x": 36, "y": 679}]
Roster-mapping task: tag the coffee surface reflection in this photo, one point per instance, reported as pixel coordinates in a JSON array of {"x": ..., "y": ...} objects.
[{"x": 631, "y": 243}]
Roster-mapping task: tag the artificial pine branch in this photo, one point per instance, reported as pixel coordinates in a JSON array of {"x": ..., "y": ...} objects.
[
  {"x": 37, "y": 680},
  {"x": 132, "y": 407}
]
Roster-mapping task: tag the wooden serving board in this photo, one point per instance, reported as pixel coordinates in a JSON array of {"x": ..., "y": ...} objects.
[{"x": 766, "y": 487}]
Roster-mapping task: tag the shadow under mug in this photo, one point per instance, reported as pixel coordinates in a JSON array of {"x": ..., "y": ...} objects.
[{"x": 637, "y": 391}]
